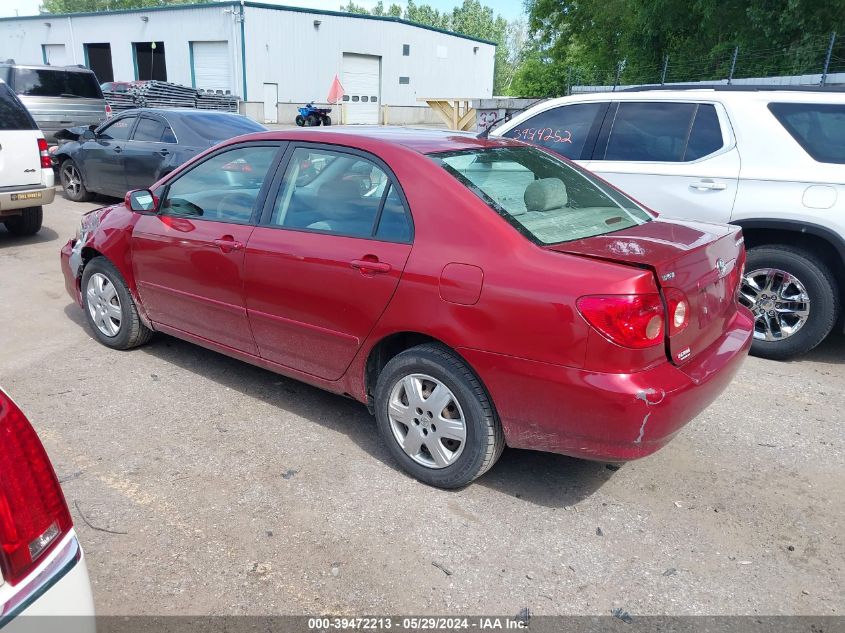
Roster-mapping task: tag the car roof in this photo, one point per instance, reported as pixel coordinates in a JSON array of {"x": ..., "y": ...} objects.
[
  {"x": 71, "y": 69},
  {"x": 422, "y": 140},
  {"x": 178, "y": 111}
]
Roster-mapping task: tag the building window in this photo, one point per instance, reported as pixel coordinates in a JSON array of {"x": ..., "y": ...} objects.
[
  {"x": 406, "y": 49},
  {"x": 365, "y": 98},
  {"x": 373, "y": 99},
  {"x": 346, "y": 97},
  {"x": 404, "y": 80},
  {"x": 355, "y": 98}
]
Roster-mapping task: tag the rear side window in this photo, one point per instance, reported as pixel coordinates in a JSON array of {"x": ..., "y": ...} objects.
[
  {"x": 154, "y": 131},
  {"x": 563, "y": 129},
  {"x": 819, "y": 128},
  {"x": 663, "y": 132},
  {"x": 13, "y": 115},
  {"x": 39, "y": 82}
]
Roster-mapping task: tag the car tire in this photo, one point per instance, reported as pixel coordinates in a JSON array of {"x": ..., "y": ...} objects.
[
  {"x": 104, "y": 289},
  {"x": 71, "y": 178},
  {"x": 809, "y": 275},
  {"x": 27, "y": 223},
  {"x": 300, "y": 120},
  {"x": 468, "y": 413}
]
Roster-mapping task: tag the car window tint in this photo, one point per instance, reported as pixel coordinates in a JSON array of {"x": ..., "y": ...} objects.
[
  {"x": 563, "y": 129},
  {"x": 394, "y": 224},
  {"x": 148, "y": 130},
  {"x": 219, "y": 126},
  {"x": 330, "y": 191},
  {"x": 168, "y": 136},
  {"x": 706, "y": 135},
  {"x": 818, "y": 127},
  {"x": 650, "y": 132},
  {"x": 119, "y": 130},
  {"x": 13, "y": 114},
  {"x": 56, "y": 83},
  {"x": 224, "y": 188}
]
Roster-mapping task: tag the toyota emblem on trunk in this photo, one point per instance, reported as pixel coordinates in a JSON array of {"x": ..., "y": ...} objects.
[{"x": 721, "y": 267}]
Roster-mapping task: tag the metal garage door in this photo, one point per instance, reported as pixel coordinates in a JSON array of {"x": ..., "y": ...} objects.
[
  {"x": 361, "y": 82},
  {"x": 212, "y": 68}
]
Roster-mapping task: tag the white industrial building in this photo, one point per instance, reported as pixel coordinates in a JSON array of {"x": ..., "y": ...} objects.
[{"x": 273, "y": 57}]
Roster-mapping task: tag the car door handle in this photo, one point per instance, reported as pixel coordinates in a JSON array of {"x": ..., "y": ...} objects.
[
  {"x": 163, "y": 152},
  {"x": 708, "y": 185},
  {"x": 117, "y": 149},
  {"x": 370, "y": 266},
  {"x": 227, "y": 244}
]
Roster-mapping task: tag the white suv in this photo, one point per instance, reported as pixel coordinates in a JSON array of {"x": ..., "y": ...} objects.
[
  {"x": 771, "y": 161},
  {"x": 26, "y": 169}
]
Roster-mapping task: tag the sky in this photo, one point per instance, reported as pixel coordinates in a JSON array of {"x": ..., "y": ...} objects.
[{"x": 509, "y": 9}]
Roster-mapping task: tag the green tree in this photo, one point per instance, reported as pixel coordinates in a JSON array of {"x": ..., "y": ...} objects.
[
  {"x": 596, "y": 40},
  {"x": 351, "y": 7},
  {"x": 80, "y": 6}
]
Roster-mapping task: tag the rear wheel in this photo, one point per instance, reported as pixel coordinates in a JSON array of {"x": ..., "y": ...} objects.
[
  {"x": 27, "y": 223},
  {"x": 436, "y": 418},
  {"x": 327, "y": 120},
  {"x": 300, "y": 120},
  {"x": 71, "y": 179},
  {"x": 109, "y": 307},
  {"x": 794, "y": 298}
]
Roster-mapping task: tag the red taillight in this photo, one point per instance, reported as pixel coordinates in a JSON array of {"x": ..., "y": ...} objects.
[
  {"x": 629, "y": 320},
  {"x": 33, "y": 512},
  {"x": 108, "y": 111},
  {"x": 678, "y": 309},
  {"x": 46, "y": 161}
]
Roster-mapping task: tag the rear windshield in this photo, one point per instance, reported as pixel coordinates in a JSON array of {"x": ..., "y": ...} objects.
[
  {"x": 13, "y": 115},
  {"x": 39, "y": 82},
  {"x": 219, "y": 127},
  {"x": 818, "y": 127},
  {"x": 545, "y": 198}
]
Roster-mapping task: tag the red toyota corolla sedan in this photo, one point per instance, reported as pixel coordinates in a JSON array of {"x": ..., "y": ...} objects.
[{"x": 471, "y": 292}]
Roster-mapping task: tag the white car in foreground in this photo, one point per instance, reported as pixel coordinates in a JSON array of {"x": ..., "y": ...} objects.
[
  {"x": 42, "y": 569},
  {"x": 769, "y": 160}
]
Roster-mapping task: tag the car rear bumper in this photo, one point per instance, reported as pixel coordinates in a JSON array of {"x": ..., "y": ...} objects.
[
  {"x": 609, "y": 417},
  {"x": 58, "y": 587},
  {"x": 12, "y": 199}
]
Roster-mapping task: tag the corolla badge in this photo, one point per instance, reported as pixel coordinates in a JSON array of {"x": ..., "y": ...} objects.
[{"x": 721, "y": 267}]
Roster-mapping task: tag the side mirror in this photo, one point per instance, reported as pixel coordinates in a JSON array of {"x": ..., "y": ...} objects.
[
  {"x": 89, "y": 135},
  {"x": 141, "y": 201}
]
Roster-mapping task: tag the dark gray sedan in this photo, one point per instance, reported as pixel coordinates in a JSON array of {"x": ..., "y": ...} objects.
[{"x": 138, "y": 147}]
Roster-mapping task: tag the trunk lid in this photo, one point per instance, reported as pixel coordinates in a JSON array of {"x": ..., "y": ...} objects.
[
  {"x": 20, "y": 158},
  {"x": 701, "y": 260}
]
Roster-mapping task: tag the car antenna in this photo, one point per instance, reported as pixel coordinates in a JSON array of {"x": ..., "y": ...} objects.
[{"x": 485, "y": 133}]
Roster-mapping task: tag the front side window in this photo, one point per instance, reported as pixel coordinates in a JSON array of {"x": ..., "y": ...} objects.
[
  {"x": 563, "y": 129},
  {"x": 119, "y": 130},
  {"x": 339, "y": 193},
  {"x": 223, "y": 188},
  {"x": 545, "y": 198},
  {"x": 819, "y": 128}
]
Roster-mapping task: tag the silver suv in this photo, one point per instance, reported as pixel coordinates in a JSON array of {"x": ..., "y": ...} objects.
[
  {"x": 57, "y": 96},
  {"x": 769, "y": 160}
]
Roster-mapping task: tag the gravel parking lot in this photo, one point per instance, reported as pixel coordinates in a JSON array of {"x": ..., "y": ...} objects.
[{"x": 201, "y": 485}]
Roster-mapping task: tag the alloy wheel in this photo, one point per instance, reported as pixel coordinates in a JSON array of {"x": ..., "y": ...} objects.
[
  {"x": 72, "y": 179},
  {"x": 104, "y": 304},
  {"x": 427, "y": 420},
  {"x": 779, "y": 301}
]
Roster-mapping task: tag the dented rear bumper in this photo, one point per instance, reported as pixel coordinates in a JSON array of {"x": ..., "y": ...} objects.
[{"x": 603, "y": 416}]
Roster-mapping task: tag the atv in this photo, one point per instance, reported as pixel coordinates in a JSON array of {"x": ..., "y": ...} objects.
[{"x": 309, "y": 116}]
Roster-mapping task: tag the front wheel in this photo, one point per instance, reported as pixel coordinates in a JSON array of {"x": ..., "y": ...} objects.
[
  {"x": 300, "y": 120},
  {"x": 71, "y": 179},
  {"x": 794, "y": 298},
  {"x": 109, "y": 308},
  {"x": 27, "y": 223},
  {"x": 436, "y": 418}
]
